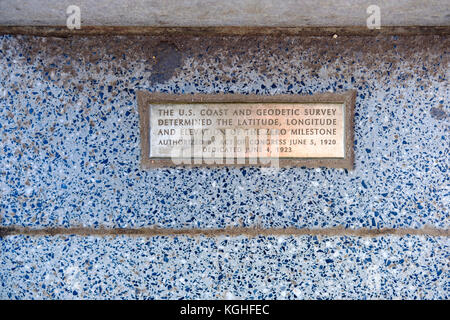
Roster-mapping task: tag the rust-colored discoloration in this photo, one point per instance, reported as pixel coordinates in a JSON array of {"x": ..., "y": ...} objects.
[
  {"x": 347, "y": 98},
  {"x": 214, "y": 58},
  {"x": 63, "y": 31},
  {"x": 247, "y": 232}
]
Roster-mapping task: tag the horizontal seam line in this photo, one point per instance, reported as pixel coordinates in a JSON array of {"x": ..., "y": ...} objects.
[
  {"x": 239, "y": 231},
  {"x": 89, "y": 30}
]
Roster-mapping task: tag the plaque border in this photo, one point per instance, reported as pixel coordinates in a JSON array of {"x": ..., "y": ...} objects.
[{"x": 348, "y": 98}]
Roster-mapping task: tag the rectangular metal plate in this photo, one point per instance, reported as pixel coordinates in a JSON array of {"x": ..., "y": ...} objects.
[{"x": 236, "y": 130}]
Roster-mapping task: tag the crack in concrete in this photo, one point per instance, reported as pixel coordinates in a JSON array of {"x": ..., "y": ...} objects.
[{"x": 239, "y": 231}]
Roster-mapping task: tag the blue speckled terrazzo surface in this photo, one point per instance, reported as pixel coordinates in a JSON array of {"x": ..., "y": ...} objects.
[
  {"x": 69, "y": 157},
  {"x": 225, "y": 268},
  {"x": 70, "y": 135}
]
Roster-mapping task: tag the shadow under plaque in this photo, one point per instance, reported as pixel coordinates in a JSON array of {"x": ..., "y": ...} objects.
[{"x": 246, "y": 130}]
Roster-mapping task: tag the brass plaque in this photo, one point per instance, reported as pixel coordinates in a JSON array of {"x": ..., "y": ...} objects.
[{"x": 218, "y": 130}]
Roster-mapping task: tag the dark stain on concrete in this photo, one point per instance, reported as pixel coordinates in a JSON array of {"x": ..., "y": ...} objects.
[
  {"x": 5, "y": 231},
  {"x": 438, "y": 113},
  {"x": 165, "y": 60}
]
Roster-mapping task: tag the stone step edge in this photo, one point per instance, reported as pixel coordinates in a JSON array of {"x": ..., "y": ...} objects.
[{"x": 62, "y": 31}]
